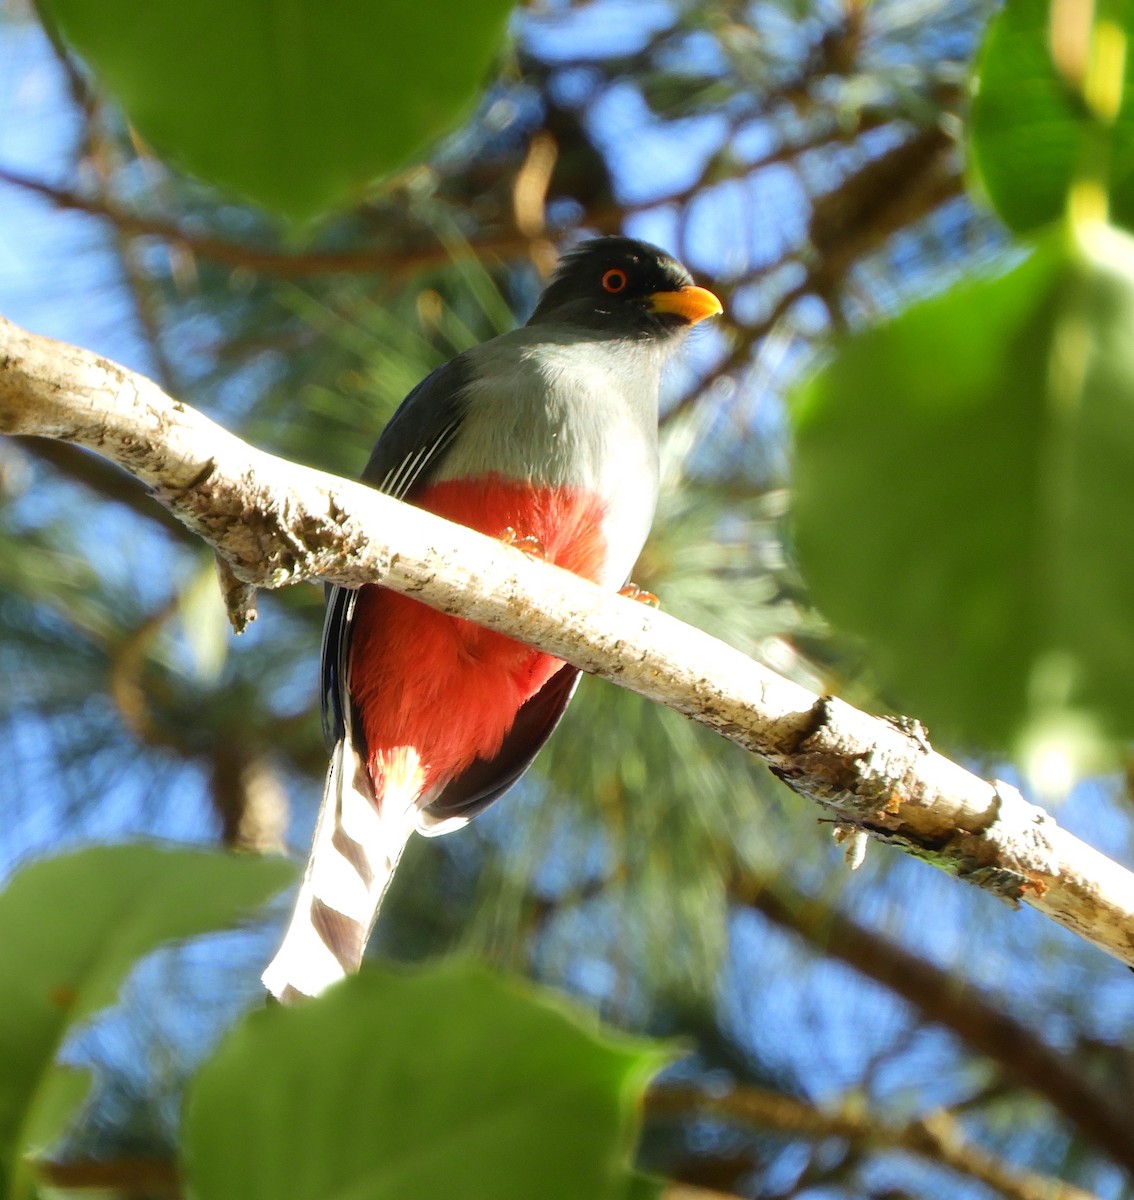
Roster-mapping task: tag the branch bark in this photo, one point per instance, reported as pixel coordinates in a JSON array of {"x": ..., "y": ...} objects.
[{"x": 276, "y": 523}]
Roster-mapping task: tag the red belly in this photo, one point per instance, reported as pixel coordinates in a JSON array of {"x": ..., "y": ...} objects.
[{"x": 446, "y": 687}]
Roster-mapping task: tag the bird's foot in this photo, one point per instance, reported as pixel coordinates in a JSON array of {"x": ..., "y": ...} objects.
[
  {"x": 526, "y": 544},
  {"x": 634, "y": 592}
]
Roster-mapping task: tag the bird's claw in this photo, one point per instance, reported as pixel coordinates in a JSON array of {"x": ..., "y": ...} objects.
[
  {"x": 634, "y": 592},
  {"x": 526, "y": 544}
]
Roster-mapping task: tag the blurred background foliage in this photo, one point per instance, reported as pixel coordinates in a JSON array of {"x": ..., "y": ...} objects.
[{"x": 883, "y": 1034}]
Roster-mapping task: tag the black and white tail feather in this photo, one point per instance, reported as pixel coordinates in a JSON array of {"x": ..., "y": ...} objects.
[{"x": 356, "y": 848}]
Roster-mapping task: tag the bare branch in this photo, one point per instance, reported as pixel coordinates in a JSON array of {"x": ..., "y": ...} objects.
[
  {"x": 941, "y": 996},
  {"x": 281, "y": 263},
  {"x": 278, "y": 523},
  {"x": 934, "y": 1136},
  {"x": 147, "y": 1178}
]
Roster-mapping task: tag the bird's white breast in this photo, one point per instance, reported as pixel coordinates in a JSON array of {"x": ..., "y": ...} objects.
[{"x": 568, "y": 411}]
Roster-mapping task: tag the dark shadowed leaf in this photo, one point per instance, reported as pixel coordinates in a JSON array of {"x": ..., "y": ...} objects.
[
  {"x": 71, "y": 928},
  {"x": 965, "y": 480},
  {"x": 449, "y": 1082},
  {"x": 643, "y": 1187},
  {"x": 297, "y": 105}
]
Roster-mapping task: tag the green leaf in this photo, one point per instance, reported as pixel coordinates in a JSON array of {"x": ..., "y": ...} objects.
[
  {"x": 965, "y": 480},
  {"x": 71, "y": 928},
  {"x": 1029, "y": 129},
  {"x": 448, "y": 1082},
  {"x": 297, "y": 104}
]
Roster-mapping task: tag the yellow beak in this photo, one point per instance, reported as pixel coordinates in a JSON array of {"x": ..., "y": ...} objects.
[{"x": 692, "y": 303}]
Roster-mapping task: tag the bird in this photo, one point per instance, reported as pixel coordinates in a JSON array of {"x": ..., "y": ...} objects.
[{"x": 545, "y": 437}]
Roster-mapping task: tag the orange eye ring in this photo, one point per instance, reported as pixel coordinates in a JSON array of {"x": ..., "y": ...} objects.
[{"x": 614, "y": 280}]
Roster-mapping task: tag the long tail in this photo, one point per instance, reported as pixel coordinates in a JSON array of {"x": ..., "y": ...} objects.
[{"x": 358, "y": 841}]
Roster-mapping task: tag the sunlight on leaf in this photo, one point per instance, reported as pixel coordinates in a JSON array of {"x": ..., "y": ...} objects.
[
  {"x": 204, "y": 624},
  {"x": 1030, "y": 131},
  {"x": 964, "y": 479}
]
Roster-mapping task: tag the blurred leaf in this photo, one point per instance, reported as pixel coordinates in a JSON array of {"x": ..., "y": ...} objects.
[
  {"x": 1029, "y": 130},
  {"x": 205, "y": 624},
  {"x": 296, "y": 105},
  {"x": 459, "y": 1084},
  {"x": 61, "y": 1091},
  {"x": 965, "y": 476},
  {"x": 71, "y": 929}
]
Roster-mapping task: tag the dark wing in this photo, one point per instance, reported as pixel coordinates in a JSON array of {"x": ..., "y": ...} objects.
[
  {"x": 406, "y": 454},
  {"x": 488, "y": 779},
  {"x": 418, "y": 434}
]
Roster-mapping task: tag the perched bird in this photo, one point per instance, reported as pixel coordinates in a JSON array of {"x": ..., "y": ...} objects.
[{"x": 545, "y": 437}]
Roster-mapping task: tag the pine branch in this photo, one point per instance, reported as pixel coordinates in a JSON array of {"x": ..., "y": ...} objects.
[{"x": 276, "y": 523}]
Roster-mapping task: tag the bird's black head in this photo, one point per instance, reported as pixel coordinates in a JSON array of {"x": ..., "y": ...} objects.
[{"x": 626, "y": 287}]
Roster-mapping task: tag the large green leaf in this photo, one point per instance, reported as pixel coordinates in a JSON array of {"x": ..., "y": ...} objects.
[
  {"x": 448, "y": 1082},
  {"x": 965, "y": 481},
  {"x": 1030, "y": 131},
  {"x": 295, "y": 103},
  {"x": 71, "y": 928}
]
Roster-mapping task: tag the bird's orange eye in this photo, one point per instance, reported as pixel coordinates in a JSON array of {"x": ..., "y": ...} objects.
[{"x": 614, "y": 280}]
